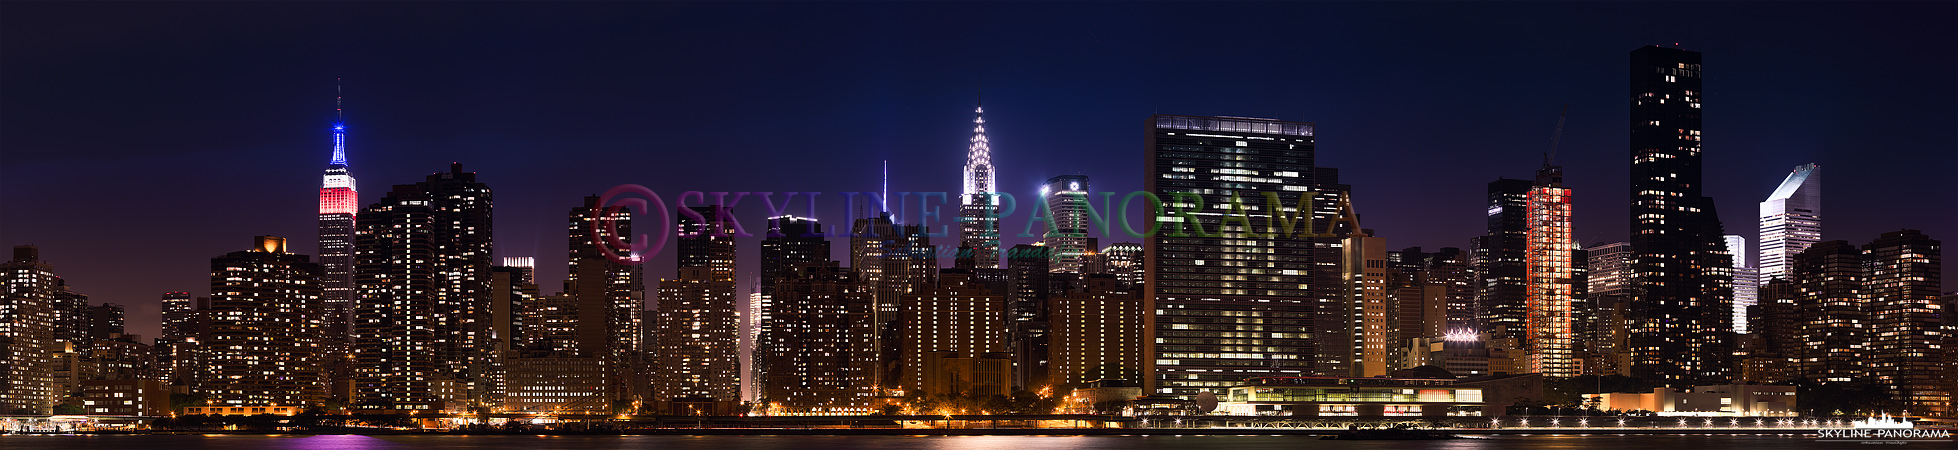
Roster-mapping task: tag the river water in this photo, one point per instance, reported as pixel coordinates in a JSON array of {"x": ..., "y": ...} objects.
[{"x": 1249, "y": 442}]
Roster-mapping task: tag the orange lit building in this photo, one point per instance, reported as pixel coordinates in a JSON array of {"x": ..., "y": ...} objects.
[{"x": 1548, "y": 252}]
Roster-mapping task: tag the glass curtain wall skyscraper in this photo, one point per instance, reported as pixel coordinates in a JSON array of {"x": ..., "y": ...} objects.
[{"x": 1227, "y": 298}]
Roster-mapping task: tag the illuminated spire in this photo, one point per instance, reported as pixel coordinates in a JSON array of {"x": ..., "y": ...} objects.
[
  {"x": 978, "y": 158},
  {"x": 339, "y": 129}
]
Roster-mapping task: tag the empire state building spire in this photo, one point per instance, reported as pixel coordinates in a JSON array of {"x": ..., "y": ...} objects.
[
  {"x": 979, "y": 217},
  {"x": 339, "y": 131},
  {"x": 338, "y": 200}
]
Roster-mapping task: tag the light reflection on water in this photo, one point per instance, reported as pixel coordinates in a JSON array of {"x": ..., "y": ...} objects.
[{"x": 1244, "y": 442}]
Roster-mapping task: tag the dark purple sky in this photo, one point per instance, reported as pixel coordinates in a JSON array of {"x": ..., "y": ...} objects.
[{"x": 139, "y": 140}]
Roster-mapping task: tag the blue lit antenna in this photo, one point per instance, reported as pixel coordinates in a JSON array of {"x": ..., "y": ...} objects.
[{"x": 339, "y": 128}]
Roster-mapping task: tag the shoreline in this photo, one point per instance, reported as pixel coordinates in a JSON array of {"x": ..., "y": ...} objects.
[{"x": 980, "y": 432}]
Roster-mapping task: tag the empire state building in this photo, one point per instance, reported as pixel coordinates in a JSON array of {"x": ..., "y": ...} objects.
[{"x": 338, "y": 201}]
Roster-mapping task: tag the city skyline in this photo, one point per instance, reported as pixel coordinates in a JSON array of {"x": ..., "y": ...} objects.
[{"x": 280, "y": 140}]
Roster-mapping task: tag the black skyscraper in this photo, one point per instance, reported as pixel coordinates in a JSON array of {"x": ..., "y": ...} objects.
[
  {"x": 1499, "y": 265},
  {"x": 1682, "y": 325}
]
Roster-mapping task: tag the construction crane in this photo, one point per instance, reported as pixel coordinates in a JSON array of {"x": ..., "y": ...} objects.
[{"x": 1556, "y": 136}]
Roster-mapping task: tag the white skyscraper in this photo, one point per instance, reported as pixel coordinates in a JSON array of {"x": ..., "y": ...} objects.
[
  {"x": 1747, "y": 281},
  {"x": 1791, "y": 220}
]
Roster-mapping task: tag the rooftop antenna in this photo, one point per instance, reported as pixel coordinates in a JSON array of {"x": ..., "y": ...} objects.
[
  {"x": 1556, "y": 136},
  {"x": 884, "y": 202}
]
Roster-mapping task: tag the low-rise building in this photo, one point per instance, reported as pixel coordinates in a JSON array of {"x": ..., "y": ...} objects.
[
  {"x": 125, "y": 398},
  {"x": 1727, "y": 400},
  {"x": 1328, "y": 396}
]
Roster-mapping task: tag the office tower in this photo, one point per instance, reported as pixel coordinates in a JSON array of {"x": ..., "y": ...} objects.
[
  {"x": 264, "y": 340},
  {"x": 610, "y": 294},
  {"x": 174, "y": 346},
  {"x": 1096, "y": 333},
  {"x": 893, "y": 260},
  {"x": 1776, "y": 332},
  {"x": 27, "y": 293},
  {"x": 525, "y": 267},
  {"x": 1903, "y": 270},
  {"x": 1747, "y": 282},
  {"x": 1270, "y": 281},
  {"x": 550, "y": 327},
  {"x": 422, "y": 305},
  {"x": 1683, "y": 324},
  {"x": 1066, "y": 199},
  {"x": 1791, "y": 220},
  {"x": 1502, "y": 295},
  {"x": 1027, "y": 268},
  {"x": 1548, "y": 249},
  {"x": 699, "y": 329},
  {"x": 339, "y": 201},
  {"x": 178, "y": 313},
  {"x": 105, "y": 321},
  {"x": 1419, "y": 288},
  {"x": 792, "y": 242},
  {"x": 820, "y": 350},
  {"x": 952, "y": 340},
  {"x": 1610, "y": 289},
  {"x": 979, "y": 205},
  {"x": 1371, "y": 318},
  {"x": 1449, "y": 268},
  {"x": 1124, "y": 260},
  {"x": 1830, "y": 307}
]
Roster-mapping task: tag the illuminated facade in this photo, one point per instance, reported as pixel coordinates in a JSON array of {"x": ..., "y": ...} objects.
[
  {"x": 821, "y": 352},
  {"x": 263, "y": 343},
  {"x": 1232, "y": 299},
  {"x": 1390, "y": 397},
  {"x": 1903, "y": 270},
  {"x": 1747, "y": 282},
  {"x": 1791, "y": 220},
  {"x": 953, "y": 340},
  {"x": 339, "y": 201},
  {"x": 698, "y": 331},
  {"x": 27, "y": 293},
  {"x": 1831, "y": 311},
  {"x": 611, "y": 296},
  {"x": 1096, "y": 333},
  {"x": 1682, "y": 333},
  {"x": 1066, "y": 199},
  {"x": 979, "y": 210},
  {"x": 422, "y": 311},
  {"x": 1548, "y": 251},
  {"x": 1125, "y": 261}
]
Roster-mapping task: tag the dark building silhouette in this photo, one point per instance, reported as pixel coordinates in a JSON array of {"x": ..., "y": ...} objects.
[
  {"x": 1028, "y": 269},
  {"x": 1499, "y": 264},
  {"x": 791, "y": 243},
  {"x": 1682, "y": 334}
]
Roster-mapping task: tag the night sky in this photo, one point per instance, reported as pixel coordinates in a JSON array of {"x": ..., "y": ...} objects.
[{"x": 137, "y": 141}]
